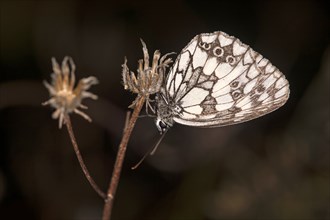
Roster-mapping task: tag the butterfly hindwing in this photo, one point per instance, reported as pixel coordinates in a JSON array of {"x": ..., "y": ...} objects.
[{"x": 216, "y": 80}]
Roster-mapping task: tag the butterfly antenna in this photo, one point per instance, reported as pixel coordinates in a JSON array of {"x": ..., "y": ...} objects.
[
  {"x": 138, "y": 164},
  {"x": 150, "y": 116},
  {"x": 157, "y": 144},
  {"x": 150, "y": 152}
]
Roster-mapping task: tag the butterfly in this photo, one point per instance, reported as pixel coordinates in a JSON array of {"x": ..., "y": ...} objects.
[{"x": 216, "y": 81}]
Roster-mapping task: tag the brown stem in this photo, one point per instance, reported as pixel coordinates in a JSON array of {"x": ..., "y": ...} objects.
[
  {"x": 128, "y": 115},
  {"x": 120, "y": 158},
  {"x": 80, "y": 159}
]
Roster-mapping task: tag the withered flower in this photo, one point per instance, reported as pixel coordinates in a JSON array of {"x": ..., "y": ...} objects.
[
  {"x": 148, "y": 80},
  {"x": 64, "y": 96}
]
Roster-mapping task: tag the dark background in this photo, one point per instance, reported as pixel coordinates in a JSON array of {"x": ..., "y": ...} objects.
[{"x": 275, "y": 167}]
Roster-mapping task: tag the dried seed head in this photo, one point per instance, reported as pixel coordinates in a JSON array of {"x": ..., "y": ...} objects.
[
  {"x": 148, "y": 79},
  {"x": 64, "y": 97}
]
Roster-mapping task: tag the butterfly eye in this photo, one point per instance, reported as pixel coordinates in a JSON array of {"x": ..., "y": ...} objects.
[
  {"x": 162, "y": 127},
  {"x": 162, "y": 124},
  {"x": 218, "y": 51},
  {"x": 230, "y": 59}
]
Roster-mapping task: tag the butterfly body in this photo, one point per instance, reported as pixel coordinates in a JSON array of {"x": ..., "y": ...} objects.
[{"x": 216, "y": 81}]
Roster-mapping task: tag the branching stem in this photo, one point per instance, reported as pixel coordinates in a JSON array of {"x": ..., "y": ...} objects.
[{"x": 120, "y": 158}]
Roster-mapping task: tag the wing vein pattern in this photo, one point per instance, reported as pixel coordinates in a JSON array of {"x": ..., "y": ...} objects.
[{"x": 217, "y": 80}]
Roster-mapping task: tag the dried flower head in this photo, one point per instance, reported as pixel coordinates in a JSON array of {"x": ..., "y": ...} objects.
[
  {"x": 66, "y": 98},
  {"x": 148, "y": 80}
]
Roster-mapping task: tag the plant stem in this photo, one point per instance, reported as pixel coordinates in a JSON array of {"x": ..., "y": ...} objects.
[
  {"x": 80, "y": 159},
  {"x": 120, "y": 159}
]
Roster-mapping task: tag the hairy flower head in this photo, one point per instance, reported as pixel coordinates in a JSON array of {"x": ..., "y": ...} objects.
[{"x": 64, "y": 96}]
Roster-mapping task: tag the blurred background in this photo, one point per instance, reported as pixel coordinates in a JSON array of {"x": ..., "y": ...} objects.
[{"x": 274, "y": 167}]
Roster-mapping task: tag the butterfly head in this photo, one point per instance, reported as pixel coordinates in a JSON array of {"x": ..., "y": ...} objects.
[
  {"x": 161, "y": 125},
  {"x": 164, "y": 113}
]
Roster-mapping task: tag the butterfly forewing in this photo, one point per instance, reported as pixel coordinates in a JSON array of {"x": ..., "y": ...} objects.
[{"x": 216, "y": 80}]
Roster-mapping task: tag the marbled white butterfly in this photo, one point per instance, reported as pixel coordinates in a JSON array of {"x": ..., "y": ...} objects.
[{"x": 215, "y": 81}]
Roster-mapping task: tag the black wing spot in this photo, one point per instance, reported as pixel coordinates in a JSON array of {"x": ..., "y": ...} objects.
[
  {"x": 234, "y": 84},
  {"x": 236, "y": 94},
  {"x": 218, "y": 51},
  {"x": 204, "y": 45},
  {"x": 231, "y": 60},
  {"x": 260, "y": 89}
]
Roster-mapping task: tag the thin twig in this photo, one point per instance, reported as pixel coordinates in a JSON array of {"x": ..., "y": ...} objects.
[
  {"x": 120, "y": 158},
  {"x": 80, "y": 159}
]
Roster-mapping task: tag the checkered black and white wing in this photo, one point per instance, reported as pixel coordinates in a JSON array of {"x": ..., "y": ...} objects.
[{"x": 216, "y": 80}]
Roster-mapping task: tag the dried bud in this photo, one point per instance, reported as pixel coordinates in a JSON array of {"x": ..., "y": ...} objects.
[
  {"x": 148, "y": 80},
  {"x": 64, "y": 97}
]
